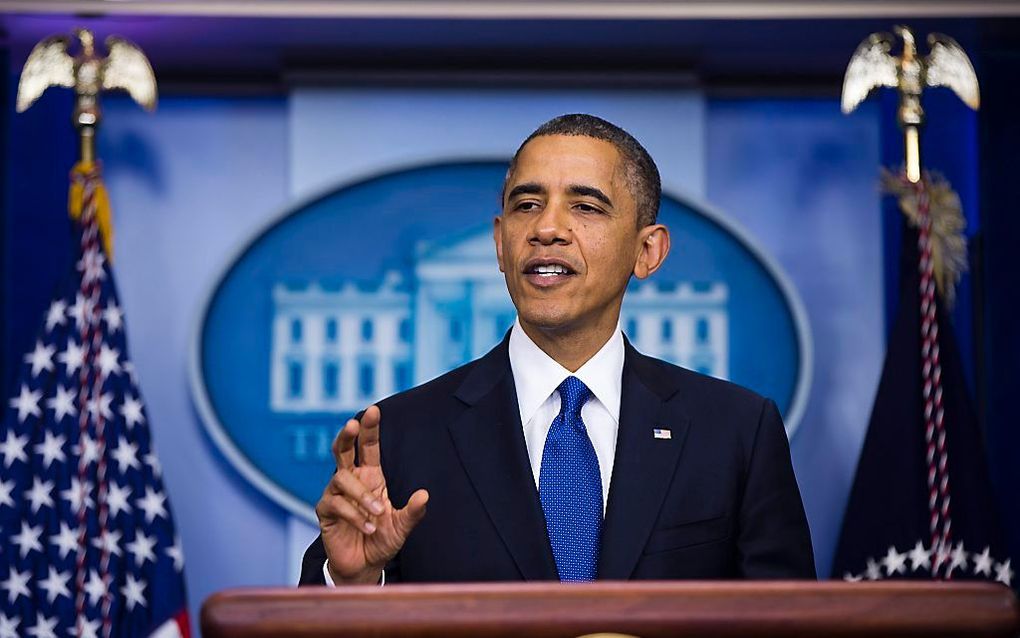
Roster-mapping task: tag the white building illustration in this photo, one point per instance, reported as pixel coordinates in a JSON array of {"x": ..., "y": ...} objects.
[{"x": 336, "y": 351}]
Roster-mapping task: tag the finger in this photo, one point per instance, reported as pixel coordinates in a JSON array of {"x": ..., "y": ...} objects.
[
  {"x": 404, "y": 520},
  {"x": 344, "y": 483},
  {"x": 343, "y": 445},
  {"x": 368, "y": 442},
  {"x": 332, "y": 508}
]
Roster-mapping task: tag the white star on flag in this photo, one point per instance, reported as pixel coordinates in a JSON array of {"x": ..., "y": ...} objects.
[
  {"x": 39, "y": 494},
  {"x": 95, "y": 587},
  {"x": 153, "y": 462},
  {"x": 142, "y": 548},
  {"x": 152, "y": 504},
  {"x": 81, "y": 312},
  {"x": 88, "y": 628},
  {"x": 109, "y": 361},
  {"x": 132, "y": 411},
  {"x": 126, "y": 455},
  {"x": 55, "y": 584},
  {"x": 16, "y": 584},
  {"x": 41, "y": 358},
  {"x": 108, "y": 541},
  {"x": 26, "y": 403},
  {"x": 6, "y": 487},
  {"x": 117, "y": 498},
  {"x": 100, "y": 407},
  {"x": 62, "y": 403},
  {"x": 895, "y": 562},
  {"x": 88, "y": 450},
  {"x": 114, "y": 317},
  {"x": 1004, "y": 574},
  {"x": 983, "y": 562},
  {"x": 91, "y": 266},
  {"x": 176, "y": 552},
  {"x": 55, "y": 315},
  {"x": 78, "y": 495},
  {"x": 920, "y": 557},
  {"x": 66, "y": 541},
  {"x": 959, "y": 558},
  {"x": 72, "y": 357},
  {"x": 43, "y": 627},
  {"x": 51, "y": 449},
  {"x": 9, "y": 626},
  {"x": 13, "y": 448},
  {"x": 27, "y": 539},
  {"x": 133, "y": 590},
  {"x": 872, "y": 570}
]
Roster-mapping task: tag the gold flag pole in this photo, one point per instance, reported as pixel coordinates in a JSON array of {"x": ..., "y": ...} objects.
[
  {"x": 946, "y": 64},
  {"x": 931, "y": 207},
  {"x": 125, "y": 67}
]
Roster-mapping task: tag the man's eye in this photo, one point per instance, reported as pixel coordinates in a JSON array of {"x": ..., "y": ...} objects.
[
  {"x": 588, "y": 208},
  {"x": 527, "y": 206}
]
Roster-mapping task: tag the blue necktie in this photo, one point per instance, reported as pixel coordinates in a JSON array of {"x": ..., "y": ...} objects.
[{"x": 570, "y": 487}]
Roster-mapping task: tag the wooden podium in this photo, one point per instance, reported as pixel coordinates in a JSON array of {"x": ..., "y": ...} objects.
[{"x": 645, "y": 609}]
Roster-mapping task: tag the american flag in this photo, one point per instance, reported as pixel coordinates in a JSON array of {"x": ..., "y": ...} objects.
[{"x": 87, "y": 541}]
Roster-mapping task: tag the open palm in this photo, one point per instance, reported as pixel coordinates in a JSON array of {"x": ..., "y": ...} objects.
[{"x": 361, "y": 529}]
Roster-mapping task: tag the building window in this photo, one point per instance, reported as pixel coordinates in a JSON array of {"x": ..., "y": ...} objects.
[
  {"x": 295, "y": 379},
  {"x": 632, "y": 329},
  {"x": 405, "y": 330},
  {"x": 402, "y": 376},
  {"x": 331, "y": 330},
  {"x": 667, "y": 330},
  {"x": 366, "y": 379},
  {"x": 366, "y": 330},
  {"x": 455, "y": 330},
  {"x": 295, "y": 331},
  {"x": 701, "y": 331},
  {"x": 330, "y": 379}
]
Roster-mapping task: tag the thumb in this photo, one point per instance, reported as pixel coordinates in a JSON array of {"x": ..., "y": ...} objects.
[{"x": 407, "y": 518}]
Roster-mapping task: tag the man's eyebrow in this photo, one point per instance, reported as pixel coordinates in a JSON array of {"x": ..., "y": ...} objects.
[
  {"x": 528, "y": 188},
  {"x": 589, "y": 191}
]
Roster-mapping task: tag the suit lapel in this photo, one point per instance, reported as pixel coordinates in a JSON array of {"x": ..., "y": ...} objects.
[
  {"x": 489, "y": 439},
  {"x": 643, "y": 467}
]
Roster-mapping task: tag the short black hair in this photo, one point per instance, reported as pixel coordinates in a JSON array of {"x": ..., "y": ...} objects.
[{"x": 641, "y": 173}]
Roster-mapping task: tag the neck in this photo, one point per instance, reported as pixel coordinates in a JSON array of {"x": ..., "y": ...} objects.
[{"x": 570, "y": 348}]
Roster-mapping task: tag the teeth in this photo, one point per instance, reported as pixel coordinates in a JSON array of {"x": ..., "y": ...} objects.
[{"x": 551, "y": 269}]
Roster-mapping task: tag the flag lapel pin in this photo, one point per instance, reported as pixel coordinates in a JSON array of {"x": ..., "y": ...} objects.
[{"x": 662, "y": 433}]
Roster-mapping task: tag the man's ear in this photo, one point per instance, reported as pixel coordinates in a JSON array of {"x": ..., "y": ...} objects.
[
  {"x": 497, "y": 237},
  {"x": 652, "y": 250}
]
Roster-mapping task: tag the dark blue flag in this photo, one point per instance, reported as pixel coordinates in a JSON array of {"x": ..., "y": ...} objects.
[
  {"x": 87, "y": 541},
  {"x": 922, "y": 505}
]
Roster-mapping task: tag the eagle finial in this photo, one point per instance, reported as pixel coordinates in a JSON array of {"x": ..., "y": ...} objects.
[{"x": 50, "y": 64}]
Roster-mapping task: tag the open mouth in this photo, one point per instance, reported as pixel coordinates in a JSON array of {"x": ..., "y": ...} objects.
[{"x": 547, "y": 272}]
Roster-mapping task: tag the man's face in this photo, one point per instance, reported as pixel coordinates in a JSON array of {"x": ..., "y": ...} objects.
[{"x": 568, "y": 241}]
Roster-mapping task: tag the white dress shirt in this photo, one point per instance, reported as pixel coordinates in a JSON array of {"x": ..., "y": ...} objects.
[{"x": 536, "y": 377}]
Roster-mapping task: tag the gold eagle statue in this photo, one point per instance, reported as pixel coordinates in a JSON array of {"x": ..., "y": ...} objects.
[
  {"x": 873, "y": 66},
  {"x": 49, "y": 64}
]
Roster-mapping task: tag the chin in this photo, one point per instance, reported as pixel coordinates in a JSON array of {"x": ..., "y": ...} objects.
[{"x": 545, "y": 318}]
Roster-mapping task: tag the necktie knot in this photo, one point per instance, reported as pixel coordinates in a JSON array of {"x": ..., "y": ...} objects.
[{"x": 573, "y": 395}]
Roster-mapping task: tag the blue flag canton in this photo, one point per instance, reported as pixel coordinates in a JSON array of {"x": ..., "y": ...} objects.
[{"x": 84, "y": 519}]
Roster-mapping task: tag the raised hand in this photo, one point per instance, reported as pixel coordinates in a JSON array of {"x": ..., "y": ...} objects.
[{"x": 361, "y": 530}]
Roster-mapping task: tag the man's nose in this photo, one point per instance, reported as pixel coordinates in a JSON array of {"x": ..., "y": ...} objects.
[{"x": 552, "y": 226}]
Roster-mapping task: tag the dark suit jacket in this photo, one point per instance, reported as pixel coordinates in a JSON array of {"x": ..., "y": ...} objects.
[{"x": 716, "y": 500}]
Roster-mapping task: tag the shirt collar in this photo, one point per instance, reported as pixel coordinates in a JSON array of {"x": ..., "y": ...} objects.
[{"x": 537, "y": 375}]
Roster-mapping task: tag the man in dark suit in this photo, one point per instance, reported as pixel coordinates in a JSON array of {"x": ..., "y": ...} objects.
[{"x": 564, "y": 453}]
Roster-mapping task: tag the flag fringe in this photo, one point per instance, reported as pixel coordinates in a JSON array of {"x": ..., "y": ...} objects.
[
  {"x": 949, "y": 244},
  {"x": 81, "y": 172}
]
